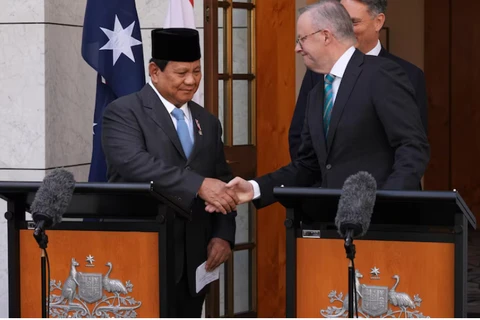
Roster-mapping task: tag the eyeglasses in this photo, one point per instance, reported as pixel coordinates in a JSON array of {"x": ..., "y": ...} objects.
[{"x": 300, "y": 40}]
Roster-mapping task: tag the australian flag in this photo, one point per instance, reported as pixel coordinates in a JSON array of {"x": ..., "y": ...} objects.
[{"x": 112, "y": 45}]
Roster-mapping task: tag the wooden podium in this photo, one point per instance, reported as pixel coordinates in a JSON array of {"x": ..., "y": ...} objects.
[
  {"x": 119, "y": 263},
  {"x": 411, "y": 263}
]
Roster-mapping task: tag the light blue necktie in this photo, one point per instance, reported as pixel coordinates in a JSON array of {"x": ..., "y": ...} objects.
[
  {"x": 182, "y": 131},
  {"x": 328, "y": 102}
]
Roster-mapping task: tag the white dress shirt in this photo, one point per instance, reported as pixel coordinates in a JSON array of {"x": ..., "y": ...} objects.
[
  {"x": 338, "y": 70},
  {"x": 170, "y": 107},
  {"x": 375, "y": 51}
]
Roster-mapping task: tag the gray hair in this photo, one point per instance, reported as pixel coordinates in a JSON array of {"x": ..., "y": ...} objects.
[{"x": 331, "y": 15}]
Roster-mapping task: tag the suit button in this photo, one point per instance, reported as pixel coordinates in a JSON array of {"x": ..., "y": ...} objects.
[
  {"x": 329, "y": 166},
  {"x": 188, "y": 168}
]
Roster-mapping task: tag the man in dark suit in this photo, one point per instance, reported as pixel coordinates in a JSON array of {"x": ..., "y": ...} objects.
[
  {"x": 361, "y": 117},
  {"x": 368, "y": 17},
  {"x": 158, "y": 134}
]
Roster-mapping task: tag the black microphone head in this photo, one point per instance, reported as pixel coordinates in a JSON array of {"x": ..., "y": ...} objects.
[
  {"x": 356, "y": 203},
  {"x": 53, "y": 197}
]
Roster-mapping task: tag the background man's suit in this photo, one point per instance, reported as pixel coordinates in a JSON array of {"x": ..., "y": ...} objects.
[
  {"x": 375, "y": 126},
  {"x": 141, "y": 144},
  {"x": 311, "y": 78}
]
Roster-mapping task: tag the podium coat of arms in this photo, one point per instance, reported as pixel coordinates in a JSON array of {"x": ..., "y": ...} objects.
[
  {"x": 88, "y": 294},
  {"x": 375, "y": 301}
]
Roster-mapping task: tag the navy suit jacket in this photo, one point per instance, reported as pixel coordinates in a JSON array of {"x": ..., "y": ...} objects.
[
  {"x": 415, "y": 75},
  {"x": 141, "y": 144},
  {"x": 375, "y": 126}
]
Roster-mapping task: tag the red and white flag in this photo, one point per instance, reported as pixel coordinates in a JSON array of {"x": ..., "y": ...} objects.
[{"x": 181, "y": 15}]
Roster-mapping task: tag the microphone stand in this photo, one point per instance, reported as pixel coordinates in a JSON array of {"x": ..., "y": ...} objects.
[
  {"x": 42, "y": 240},
  {"x": 350, "y": 250}
]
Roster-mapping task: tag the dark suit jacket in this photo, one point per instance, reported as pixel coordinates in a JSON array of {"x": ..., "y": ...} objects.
[
  {"x": 375, "y": 127},
  {"x": 311, "y": 78},
  {"x": 141, "y": 145}
]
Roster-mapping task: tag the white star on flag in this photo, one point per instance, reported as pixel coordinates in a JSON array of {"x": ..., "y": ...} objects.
[
  {"x": 93, "y": 128},
  {"x": 120, "y": 40}
]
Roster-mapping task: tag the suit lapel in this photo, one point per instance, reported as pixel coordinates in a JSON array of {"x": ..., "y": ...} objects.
[
  {"x": 197, "y": 121},
  {"x": 160, "y": 116},
  {"x": 350, "y": 76}
]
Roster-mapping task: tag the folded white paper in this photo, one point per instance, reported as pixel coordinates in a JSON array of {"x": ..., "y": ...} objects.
[{"x": 203, "y": 277}]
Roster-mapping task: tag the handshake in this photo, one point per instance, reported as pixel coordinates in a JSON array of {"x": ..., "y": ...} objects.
[{"x": 224, "y": 197}]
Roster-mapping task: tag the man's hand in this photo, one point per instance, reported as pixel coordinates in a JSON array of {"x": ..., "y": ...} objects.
[
  {"x": 218, "y": 251},
  {"x": 243, "y": 190},
  {"x": 218, "y": 195}
]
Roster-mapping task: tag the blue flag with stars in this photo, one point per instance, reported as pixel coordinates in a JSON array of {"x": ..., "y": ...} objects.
[{"x": 112, "y": 45}]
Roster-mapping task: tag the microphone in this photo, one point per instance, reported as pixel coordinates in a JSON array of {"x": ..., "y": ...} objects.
[
  {"x": 52, "y": 200},
  {"x": 355, "y": 206},
  {"x": 354, "y": 212}
]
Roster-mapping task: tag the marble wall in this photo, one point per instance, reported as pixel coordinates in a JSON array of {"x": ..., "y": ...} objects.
[
  {"x": 22, "y": 106},
  {"x": 47, "y": 95}
]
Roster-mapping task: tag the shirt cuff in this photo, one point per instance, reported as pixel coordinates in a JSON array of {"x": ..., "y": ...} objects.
[{"x": 256, "y": 189}]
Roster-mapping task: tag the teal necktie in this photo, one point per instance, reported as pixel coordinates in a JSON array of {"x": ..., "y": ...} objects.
[
  {"x": 328, "y": 102},
  {"x": 182, "y": 131}
]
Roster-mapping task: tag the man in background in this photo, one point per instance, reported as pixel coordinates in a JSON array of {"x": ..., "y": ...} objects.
[{"x": 368, "y": 18}]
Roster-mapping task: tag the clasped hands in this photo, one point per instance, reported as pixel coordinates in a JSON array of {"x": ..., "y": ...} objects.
[{"x": 224, "y": 197}]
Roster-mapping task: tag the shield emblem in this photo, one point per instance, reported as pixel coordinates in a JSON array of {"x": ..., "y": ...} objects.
[
  {"x": 374, "y": 300},
  {"x": 90, "y": 286}
]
